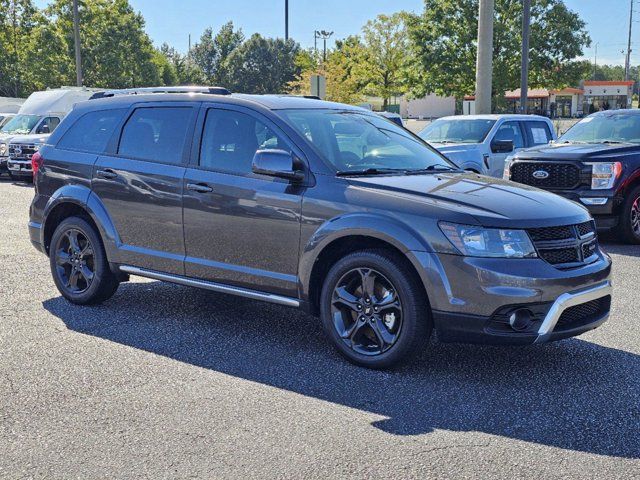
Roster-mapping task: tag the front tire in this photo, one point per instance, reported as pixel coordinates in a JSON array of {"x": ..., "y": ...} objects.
[
  {"x": 629, "y": 222},
  {"x": 79, "y": 264},
  {"x": 374, "y": 310}
]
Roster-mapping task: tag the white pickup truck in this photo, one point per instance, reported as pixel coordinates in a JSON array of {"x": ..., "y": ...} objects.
[{"x": 482, "y": 143}]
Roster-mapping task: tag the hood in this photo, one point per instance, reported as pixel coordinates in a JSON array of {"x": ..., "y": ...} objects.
[
  {"x": 577, "y": 151},
  {"x": 28, "y": 139},
  {"x": 481, "y": 200}
]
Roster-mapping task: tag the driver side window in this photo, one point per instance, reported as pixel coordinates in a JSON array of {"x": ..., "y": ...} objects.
[{"x": 510, "y": 131}]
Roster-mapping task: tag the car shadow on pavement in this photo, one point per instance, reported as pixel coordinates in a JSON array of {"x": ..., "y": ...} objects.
[{"x": 573, "y": 394}]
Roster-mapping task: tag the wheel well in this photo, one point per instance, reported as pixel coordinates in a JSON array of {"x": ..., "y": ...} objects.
[
  {"x": 338, "y": 249},
  {"x": 58, "y": 214}
]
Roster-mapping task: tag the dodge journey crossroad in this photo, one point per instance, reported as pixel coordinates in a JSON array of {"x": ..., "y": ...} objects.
[{"x": 316, "y": 205}]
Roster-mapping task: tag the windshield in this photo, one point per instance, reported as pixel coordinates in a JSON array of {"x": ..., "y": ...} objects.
[
  {"x": 457, "y": 131},
  {"x": 21, "y": 124},
  {"x": 614, "y": 128},
  {"x": 353, "y": 141}
]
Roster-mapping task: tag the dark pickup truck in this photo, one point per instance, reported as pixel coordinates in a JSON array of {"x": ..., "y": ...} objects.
[{"x": 597, "y": 164}]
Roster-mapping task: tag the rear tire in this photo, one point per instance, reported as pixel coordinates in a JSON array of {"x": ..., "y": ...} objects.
[
  {"x": 629, "y": 222},
  {"x": 79, "y": 263},
  {"x": 374, "y": 310}
]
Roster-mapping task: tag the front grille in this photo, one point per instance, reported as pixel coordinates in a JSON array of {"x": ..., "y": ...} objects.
[
  {"x": 563, "y": 176},
  {"x": 566, "y": 246},
  {"x": 19, "y": 151},
  {"x": 578, "y": 315}
]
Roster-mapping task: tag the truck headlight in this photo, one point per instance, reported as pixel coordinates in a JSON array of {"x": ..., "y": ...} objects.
[
  {"x": 476, "y": 241},
  {"x": 604, "y": 174},
  {"x": 3, "y": 149},
  {"x": 507, "y": 165}
]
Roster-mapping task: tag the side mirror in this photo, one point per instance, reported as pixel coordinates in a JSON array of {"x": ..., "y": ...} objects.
[
  {"x": 502, "y": 146},
  {"x": 276, "y": 163}
]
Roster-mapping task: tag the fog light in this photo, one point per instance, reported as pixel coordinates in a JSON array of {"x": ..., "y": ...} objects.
[
  {"x": 520, "y": 319},
  {"x": 594, "y": 200}
]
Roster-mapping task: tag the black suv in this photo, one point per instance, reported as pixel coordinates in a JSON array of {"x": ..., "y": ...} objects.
[
  {"x": 595, "y": 163},
  {"x": 316, "y": 205}
]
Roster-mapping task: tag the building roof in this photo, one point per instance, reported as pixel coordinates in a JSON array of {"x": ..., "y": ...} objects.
[
  {"x": 532, "y": 93},
  {"x": 600, "y": 83},
  {"x": 567, "y": 91}
]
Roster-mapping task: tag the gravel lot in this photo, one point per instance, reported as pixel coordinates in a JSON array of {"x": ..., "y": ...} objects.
[{"x": 164, "y": 381}]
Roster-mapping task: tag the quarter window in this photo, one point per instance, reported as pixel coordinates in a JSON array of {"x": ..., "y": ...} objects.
[
  {"x": 91, "y": 132},
  {"x": 230, "y": 139},
  {"x": 156, "y": 133}
]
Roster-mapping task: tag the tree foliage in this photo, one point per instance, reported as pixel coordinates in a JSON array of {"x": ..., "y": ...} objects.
[
  {"x": 262, "y": 65},
  {"x": 443, "y": 43},
  {"x": 211, "y": 52}
]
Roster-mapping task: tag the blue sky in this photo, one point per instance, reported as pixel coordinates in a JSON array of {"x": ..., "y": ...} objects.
[{"x": 172, "y": 20}]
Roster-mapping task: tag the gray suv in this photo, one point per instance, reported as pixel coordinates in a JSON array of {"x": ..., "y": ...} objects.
[{"x": 316, "y": 205}]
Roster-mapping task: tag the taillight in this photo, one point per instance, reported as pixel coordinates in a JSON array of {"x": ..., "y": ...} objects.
[{"x": 36, "y": 163}]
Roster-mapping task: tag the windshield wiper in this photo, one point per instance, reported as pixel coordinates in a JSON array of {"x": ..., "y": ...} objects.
[
  {"x": 432, "y": 169},
  {"x": 369, "y": 171}
]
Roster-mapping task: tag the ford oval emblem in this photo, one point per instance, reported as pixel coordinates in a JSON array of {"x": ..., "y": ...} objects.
[
  {"x": 540, "y": 174},
  {"x": 17, "y": 151}
]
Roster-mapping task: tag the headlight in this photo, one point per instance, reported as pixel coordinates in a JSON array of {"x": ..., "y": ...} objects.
[
  {"x": 604, "y": 175},
  {"x": 36, "y": 148},
  {"x": 489, "y": 242},
  {"x": 3, "y": 149}
]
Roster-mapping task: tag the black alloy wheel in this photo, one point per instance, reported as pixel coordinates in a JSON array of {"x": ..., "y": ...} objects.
[
  {"x": 75, "y": 261},
  {"x": 79, "y": 263},
  {"x": 374, "y": 308},
  {"x": 366, "y": 311}
]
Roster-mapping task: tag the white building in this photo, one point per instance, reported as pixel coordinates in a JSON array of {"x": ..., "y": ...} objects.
[{"x": 431, "y": 106}]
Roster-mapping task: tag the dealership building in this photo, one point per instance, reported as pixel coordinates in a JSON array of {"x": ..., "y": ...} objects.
[{"x": 592, "y": 96}]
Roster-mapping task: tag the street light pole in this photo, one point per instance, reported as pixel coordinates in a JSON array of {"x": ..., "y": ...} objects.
[
  {"x": 324, "y": 35},
  {"x": 286, "y": 19},
  {"x": 627, "y": 60},
  {"x": 524, "y": 77},
  {"x": 76, "y": 39}
]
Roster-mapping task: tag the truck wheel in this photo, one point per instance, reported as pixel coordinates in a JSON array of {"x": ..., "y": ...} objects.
[
  {"x": 79, "y": 264},
  {"x": 629, "y": 222},
  {"x": 374, "y": 310}
]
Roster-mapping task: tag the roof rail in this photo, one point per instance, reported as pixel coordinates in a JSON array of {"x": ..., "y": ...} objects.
[{"x": 145, "y": 90}]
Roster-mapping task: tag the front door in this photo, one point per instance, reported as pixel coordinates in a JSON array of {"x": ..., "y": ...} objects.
[
  {"x": 140, "y": 184},
  {"x": 240, "y": 228}
]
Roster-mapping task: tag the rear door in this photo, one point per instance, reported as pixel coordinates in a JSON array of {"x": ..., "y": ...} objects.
[
  {"x": 509, "y": 130},
  {"x": 240, "y": 228},
  {"x": 140, "y": 184}
]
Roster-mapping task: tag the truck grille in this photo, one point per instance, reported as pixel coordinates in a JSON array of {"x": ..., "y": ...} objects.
[
  {"x": 562, "y": 176},
  {"x": 567, "y": 246},
  {"x": 19, "y": 151}
]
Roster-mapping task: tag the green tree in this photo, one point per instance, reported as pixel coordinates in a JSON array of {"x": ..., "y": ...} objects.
[
  {"x": 116, "y": 51},
  {"x": 443, "y": 43},
  {"x": 262, "y": 65},
  {"x": 211, "y": 52},
  {"x": 386, "y": 44},
  {"x": 17, "y": 21},
  {"x": 187, "y": 72}
]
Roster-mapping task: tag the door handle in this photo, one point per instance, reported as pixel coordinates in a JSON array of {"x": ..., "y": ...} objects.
[
  {"x": 199, "y": 187},
  {"x": 106, "y": 174}
]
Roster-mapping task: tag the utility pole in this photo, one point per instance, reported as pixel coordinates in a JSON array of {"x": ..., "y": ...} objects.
[
  {"x": 524, "y": 76},
  {"x": 286, "y": 19},
  {"x": 484, "y": 60},
  {"x": 76, "y": 39},
  {"x": 595, "y": 63},
  {"x": 627, "y": 61}
]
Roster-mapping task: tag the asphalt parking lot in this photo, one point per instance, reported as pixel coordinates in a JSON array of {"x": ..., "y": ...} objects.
[{"x": 166, "y": 381}]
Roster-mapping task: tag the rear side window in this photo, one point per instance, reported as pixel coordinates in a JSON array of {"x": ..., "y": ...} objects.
[
  {"x": 156, "y": 133},
  {"x": 92, "y": 131},
  {"x": 538, "y": 133}
]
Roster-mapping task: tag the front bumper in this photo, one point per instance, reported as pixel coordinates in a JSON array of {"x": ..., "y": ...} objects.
[
  {"x": 20, "y": 167},
  {"x": 472, "y": 298}
]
